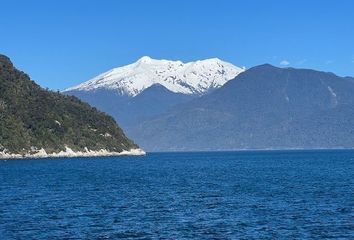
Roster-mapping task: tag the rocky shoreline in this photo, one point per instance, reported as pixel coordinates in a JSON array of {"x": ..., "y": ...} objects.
[{"x": 4, "y": 155}]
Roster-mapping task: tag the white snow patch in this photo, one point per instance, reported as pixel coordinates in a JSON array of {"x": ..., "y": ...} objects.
[
  {"x": 334, "y": 100},
  {"x": 332, "y": 92}
]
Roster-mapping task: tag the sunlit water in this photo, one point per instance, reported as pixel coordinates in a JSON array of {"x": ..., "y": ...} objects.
[{"x": 286, "y": 195}]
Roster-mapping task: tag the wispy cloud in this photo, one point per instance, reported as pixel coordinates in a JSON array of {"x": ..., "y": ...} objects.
[{"x": 284, "y": 63}]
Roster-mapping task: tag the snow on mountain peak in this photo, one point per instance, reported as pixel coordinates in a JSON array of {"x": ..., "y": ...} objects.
[
  {"x": 188, "y": 78},
  {"x": 145, "y": 59}
]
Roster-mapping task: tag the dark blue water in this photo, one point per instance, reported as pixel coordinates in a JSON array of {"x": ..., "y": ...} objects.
[{"x": 226, "y": 195}]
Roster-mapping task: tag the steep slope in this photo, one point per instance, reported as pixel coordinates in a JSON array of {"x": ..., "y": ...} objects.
[
  {"x": 36, "y": 121},
  {"x": 264, "y": 107}
]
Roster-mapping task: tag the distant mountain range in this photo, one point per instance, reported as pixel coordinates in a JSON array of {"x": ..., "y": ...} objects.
[
  {"x": 39, "y": 123},
  {"x": 264, "y": 107}
]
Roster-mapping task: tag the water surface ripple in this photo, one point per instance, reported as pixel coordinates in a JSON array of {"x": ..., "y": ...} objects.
[{"x": 221, "y": 195}]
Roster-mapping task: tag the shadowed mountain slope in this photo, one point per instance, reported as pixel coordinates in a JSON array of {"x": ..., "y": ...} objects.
[{"x": 263, "y": 108}]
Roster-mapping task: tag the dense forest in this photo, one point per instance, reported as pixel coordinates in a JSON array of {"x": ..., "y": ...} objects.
[{"x": 34, "y": 118}]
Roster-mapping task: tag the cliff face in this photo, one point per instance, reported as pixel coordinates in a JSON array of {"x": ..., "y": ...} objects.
[{"x": 34, "y": 120}]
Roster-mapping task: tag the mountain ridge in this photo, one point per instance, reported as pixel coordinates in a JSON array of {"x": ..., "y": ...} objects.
[{"x": 264, "y": 107}]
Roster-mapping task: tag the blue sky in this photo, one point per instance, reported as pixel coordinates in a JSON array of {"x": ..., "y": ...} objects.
[{"x": 62, "y": 43}]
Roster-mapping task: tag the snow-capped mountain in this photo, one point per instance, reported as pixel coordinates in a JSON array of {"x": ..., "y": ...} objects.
[{"x": 187, "y": 78}]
